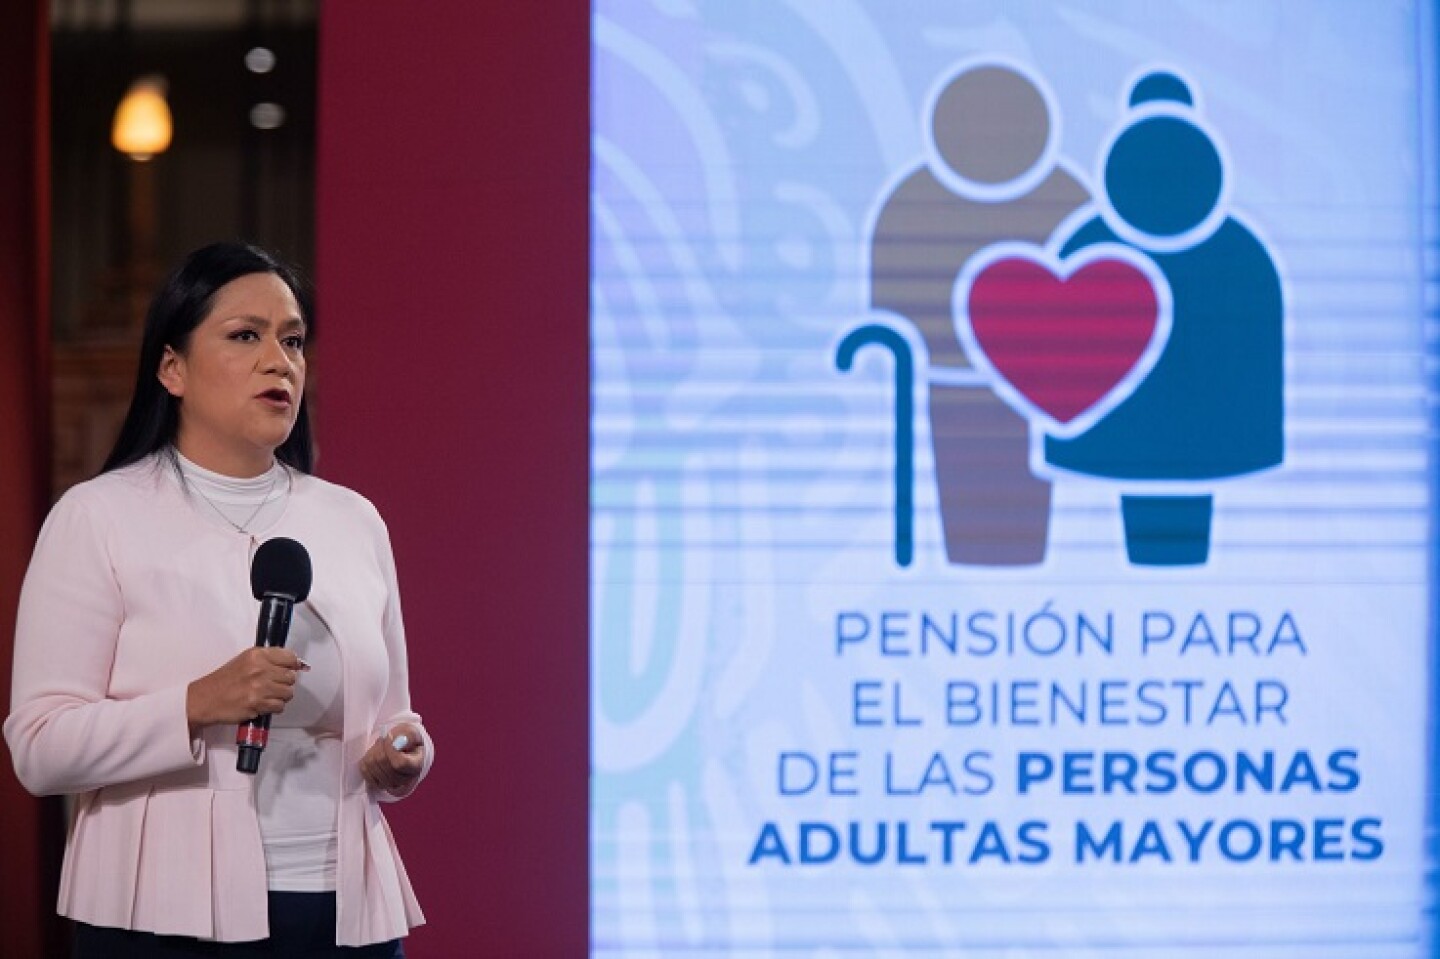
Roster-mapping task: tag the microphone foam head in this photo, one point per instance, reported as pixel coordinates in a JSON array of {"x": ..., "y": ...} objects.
[{"x": 281, "y": 567}]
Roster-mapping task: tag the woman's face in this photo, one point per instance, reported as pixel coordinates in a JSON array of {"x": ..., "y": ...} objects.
[{"x": 241, "y": 377}]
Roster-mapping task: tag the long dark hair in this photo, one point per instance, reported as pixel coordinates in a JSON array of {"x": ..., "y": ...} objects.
[{"x": 181, "y": 304}]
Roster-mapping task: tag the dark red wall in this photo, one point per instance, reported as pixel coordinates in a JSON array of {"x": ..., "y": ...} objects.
[
  {"x": 452, "y": 389},
  {"x": 26, "y": 909}
]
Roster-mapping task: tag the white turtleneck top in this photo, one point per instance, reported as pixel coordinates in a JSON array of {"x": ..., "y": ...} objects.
[{"x": 295, "y": 788}]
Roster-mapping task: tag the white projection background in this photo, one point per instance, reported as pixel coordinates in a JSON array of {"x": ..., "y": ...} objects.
[{"x": 1012, "y": 482}]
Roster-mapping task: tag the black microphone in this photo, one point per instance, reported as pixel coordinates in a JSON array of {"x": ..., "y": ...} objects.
[{"x": 279, "y": 578}]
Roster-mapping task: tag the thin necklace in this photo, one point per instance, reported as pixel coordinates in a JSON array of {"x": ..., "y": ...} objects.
[{"x": 243, "y": 528}]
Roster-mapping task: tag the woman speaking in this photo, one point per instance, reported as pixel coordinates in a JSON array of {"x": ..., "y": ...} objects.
[{"x": 135, "y": 657}]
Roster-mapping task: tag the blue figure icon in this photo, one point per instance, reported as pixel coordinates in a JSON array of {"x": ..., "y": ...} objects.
[{"x": 1212, "y": 405}]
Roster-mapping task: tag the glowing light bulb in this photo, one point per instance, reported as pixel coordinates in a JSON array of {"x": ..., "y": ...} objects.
[{"x": 142, "y": 126}]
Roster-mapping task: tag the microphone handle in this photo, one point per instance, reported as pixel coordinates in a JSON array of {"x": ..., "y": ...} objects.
[{"x": 272, "y": 630}]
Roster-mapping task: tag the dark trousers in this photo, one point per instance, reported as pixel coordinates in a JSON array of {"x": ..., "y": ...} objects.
[{"x": 302, "y": 924}]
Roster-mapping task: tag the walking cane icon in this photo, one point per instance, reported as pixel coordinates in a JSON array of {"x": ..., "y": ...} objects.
[{"x": 877, "y": 335}]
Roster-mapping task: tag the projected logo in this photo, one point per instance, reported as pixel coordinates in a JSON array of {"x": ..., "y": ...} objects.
[{"x": 1131, "y": 334}]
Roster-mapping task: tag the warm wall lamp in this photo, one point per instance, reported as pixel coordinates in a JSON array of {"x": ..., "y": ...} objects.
[{"x": 142, "y": 126}]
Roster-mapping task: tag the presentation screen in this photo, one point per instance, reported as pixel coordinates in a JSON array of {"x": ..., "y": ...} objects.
[{"x": 1012, "y": 480}]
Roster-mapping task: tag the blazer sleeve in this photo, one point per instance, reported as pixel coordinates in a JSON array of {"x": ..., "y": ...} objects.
[
  {"x": 395, "y": 707},
  {"x": 65, "y": 734}
]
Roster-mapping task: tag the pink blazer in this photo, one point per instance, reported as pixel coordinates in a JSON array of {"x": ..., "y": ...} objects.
[{"x": 132, "y": 593}]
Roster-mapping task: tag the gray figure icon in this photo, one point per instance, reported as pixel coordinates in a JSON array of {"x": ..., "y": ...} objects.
[{"x": 992, "y": 177}]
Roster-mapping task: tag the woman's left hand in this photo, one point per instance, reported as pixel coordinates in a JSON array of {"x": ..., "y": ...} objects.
[{"x": 393, "y": 762}]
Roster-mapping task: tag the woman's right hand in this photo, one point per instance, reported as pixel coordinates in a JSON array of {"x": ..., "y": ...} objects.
[{"x": 258, "y": 682}]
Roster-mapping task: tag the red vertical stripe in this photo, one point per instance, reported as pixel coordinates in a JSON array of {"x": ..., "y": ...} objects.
[
  {"x": 452, "y": 388},
  {"x": 27, "y": 925}
]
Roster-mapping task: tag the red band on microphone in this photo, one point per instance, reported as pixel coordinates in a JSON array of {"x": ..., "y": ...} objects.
[{"x": 247, "y": 735}]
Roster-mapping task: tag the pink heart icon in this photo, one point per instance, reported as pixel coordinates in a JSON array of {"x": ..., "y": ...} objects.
[{"x": 1064, "y": 344}]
